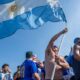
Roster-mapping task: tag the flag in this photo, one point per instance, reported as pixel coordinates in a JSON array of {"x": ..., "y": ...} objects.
[
  {"x": 30, "y": 14},
  {"x": 5, "y": 1}
]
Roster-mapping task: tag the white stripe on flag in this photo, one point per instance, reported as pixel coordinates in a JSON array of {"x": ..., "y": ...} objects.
[
  {"x": 22, "y": 6},
  {"x": 5, "y": 7}
]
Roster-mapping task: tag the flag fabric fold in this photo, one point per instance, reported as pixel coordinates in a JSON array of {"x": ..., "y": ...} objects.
[
  {"x": 32, "y": 18},
  {"x": 5, "y": 1}
]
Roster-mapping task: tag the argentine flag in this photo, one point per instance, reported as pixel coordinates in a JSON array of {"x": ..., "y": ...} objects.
[
  {"x": 5, "y": 1},
  {"x": 28, "y": 14}
]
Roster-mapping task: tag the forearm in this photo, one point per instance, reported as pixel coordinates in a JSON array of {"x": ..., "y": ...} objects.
[
  {"x": 50, "y": 45},
  {"x": 54, "y": 38},
  {"x": 64, "y": 65},
  {"x": 36, "y": 76}
]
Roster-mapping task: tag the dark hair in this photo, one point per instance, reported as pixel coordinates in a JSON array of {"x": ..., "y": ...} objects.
[
  {"x": 76, "y": 40},
  {"x": 4, "y": 65},
  {"x": 66, "y": 56},
  {"x": 55, "y": 46},
  {"x": 18, "y": 66},
  {"x": 29, "y": 54}
]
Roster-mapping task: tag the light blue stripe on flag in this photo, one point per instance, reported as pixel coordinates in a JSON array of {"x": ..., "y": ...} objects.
[
  {"x": 32, "y": 19},
  {"x": 5, "y": 1},
  {"x": 8, "y": 28},
  {"x": 46, "y": 13}
]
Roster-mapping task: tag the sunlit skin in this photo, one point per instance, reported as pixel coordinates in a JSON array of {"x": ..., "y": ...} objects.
[{"x": 51, "y": 56}]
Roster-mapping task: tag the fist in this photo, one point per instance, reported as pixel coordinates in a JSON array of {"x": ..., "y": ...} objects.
[{"x": 64, "y": 31}]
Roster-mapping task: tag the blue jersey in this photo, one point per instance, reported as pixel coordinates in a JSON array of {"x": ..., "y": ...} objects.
[
  {"x": 28, "y": 68},
  {"x": 75, "y": 65}
]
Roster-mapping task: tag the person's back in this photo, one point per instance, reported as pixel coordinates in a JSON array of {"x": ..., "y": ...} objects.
[{"x": 29, "y": 69}]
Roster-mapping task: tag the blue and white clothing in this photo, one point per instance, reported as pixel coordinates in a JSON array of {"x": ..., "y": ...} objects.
[
  {"x": 68, "y": 73},
  {"x": 5, "y": 76},
  {"x": 75, "y": 65}
]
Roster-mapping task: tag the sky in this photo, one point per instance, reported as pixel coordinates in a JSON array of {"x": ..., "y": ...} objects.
[{"x": 13, "y": 48}]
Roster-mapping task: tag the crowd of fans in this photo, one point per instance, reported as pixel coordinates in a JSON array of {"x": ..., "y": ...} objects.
[{"x": 54, "y": 67}]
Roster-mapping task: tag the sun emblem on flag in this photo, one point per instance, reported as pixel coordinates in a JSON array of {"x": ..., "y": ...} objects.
[
  {"x": 13, "y": 8},
  {"x": 52, "y": 1}
]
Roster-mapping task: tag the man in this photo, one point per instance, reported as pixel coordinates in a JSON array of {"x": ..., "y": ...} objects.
[
  {"x": 51, "y": 57},
  {"x": 29, "y": 68},
  {"x": 74, "y": 60},
  {"x": 17, "y": 75},
  {"x": 6, "y": 73}
]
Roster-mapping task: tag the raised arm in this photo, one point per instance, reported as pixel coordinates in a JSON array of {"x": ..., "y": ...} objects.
[{"x": 54, "y": 38}]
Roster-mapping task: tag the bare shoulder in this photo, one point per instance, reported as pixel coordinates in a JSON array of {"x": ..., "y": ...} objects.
[{"x": 48, "y": 51}]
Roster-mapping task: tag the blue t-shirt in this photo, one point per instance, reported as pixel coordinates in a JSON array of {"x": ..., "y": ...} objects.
[
  {"x": 75, "y": 65},
  {"x": 65, "y": 72},
  {"x": 43, "y": 70},
  {"x": 28, "y": 68}
]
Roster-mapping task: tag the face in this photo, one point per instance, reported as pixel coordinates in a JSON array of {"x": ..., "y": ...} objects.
[
  {"x": 55, "y": 49},
  {"x": 6, "y": 68},
  {"x": 41, "y": 65},
  {"x": 78, "y": 42}
]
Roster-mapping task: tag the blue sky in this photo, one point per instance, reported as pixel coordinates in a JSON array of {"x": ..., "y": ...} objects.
[{"x": 12, "y": 49}]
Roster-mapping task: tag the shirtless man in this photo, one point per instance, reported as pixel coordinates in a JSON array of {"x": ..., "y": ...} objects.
[{"x": 51, "y": 57}]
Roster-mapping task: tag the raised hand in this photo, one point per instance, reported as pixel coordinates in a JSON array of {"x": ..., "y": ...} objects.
[{"x": 64, "y": 31}]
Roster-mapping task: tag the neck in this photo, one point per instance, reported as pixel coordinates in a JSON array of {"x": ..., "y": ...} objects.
[{"x": 29, "y": 59}]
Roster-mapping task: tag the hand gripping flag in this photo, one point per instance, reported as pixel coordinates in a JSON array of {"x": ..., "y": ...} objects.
[{"x": 30, "y": 14}]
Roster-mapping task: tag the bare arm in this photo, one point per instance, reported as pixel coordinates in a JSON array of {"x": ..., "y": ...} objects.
[
  {"x": 50, "y": 45},
  {"x": 76, "y": 52},
  {"x": 62, "y": 62},
  {"x": 36, "y": 76}
]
